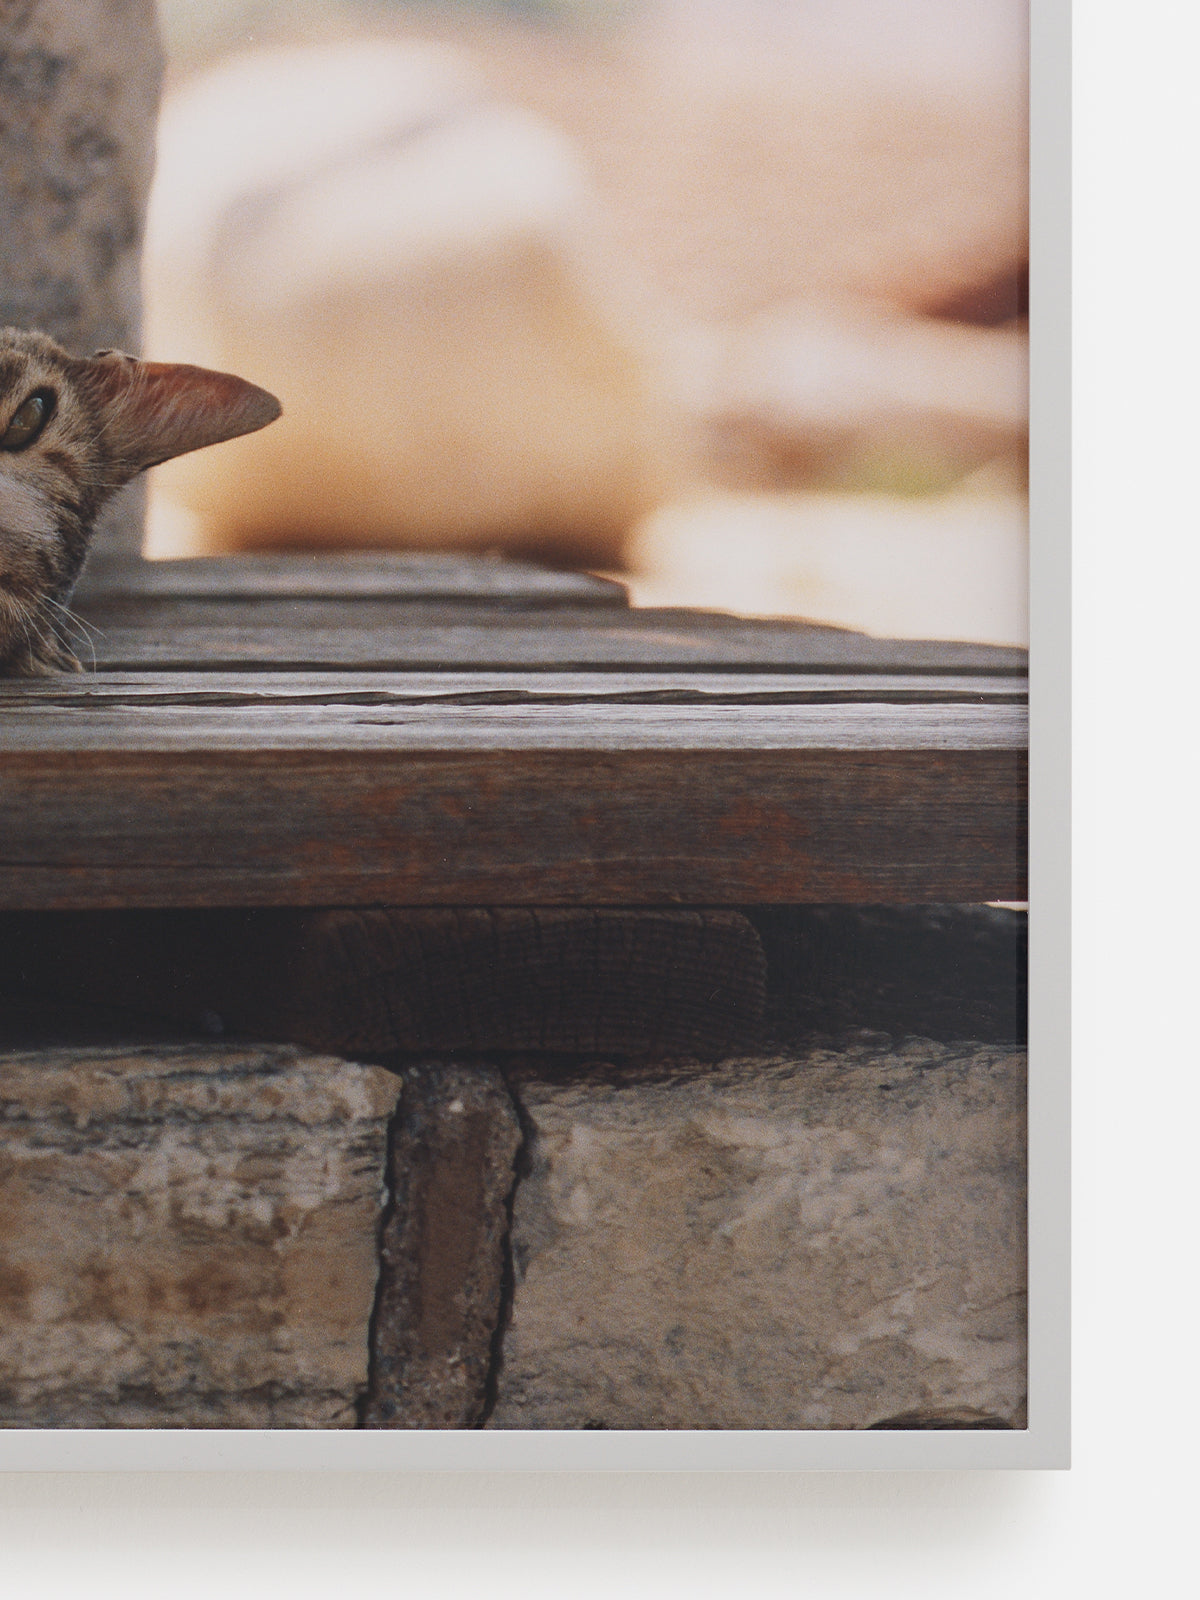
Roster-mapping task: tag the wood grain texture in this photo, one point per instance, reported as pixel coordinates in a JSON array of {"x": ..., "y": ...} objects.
[
  {"x": 370, "y": 634},
  {"x": 287, "y": 691},
  {"x": 400, "y": 575},
  {"x": 247, "y": 747},
  {"x": 492, "y": 826},
  {"x": 353, "y": 730}
]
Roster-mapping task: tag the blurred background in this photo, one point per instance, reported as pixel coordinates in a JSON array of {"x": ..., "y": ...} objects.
[{"x": 725, "y": 296}]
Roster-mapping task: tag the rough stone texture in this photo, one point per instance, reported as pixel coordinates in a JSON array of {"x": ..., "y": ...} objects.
[
  {"x": 444, "y": 1258},
  {"x": 819, "y": 1240},
  {"x": 80, "y": 81},
  {"x": 188, "y": 1236},
  {"x": 79, "y": 86}
]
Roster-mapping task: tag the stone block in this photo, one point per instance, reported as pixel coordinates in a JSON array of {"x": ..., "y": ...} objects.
[
  {"x": 822, "y": 1239},
  {"x": 188, "y": 1235}
]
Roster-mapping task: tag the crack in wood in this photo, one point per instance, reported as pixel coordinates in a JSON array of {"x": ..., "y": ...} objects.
[{"x": 91, "y": 701}]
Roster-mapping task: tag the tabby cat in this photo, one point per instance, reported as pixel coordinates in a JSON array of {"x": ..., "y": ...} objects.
[{"x": 72, "y": 431}]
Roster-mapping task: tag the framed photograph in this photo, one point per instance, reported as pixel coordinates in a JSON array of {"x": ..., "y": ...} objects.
[{"x": 517, "y": 526}]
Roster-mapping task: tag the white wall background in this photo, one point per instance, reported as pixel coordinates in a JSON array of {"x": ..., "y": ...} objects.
[{"x": 1123, "y": 1516}]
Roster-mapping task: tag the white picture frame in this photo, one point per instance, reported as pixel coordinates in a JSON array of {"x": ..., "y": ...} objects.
[{"x": 1044, "y": 1443}]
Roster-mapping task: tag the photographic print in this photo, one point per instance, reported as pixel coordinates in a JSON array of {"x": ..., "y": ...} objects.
[{"x": 513, "y": 718}]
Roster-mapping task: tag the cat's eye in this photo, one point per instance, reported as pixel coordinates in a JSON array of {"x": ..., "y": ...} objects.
[{"x": 30, "y": 417}]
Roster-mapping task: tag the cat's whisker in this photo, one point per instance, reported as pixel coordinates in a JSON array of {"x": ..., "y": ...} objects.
[
  {"x": 89, "y": 628},
  {"x": 67, "y": 620},
  {"x": 23, "y": 617},
  {"x": 16, "y": 610},
  {"x": 84, "y": 641}
]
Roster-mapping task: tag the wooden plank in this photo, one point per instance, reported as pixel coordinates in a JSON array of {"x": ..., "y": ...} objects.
[
  {"x": 287, "y": 691},
  {"x": 350, "y": 731},
  {"x": 393, "y": 575},
  {"x": 545, "y": 725},
  {"x": 535, "y": 823},
  {"x": 372, "y": 635}
]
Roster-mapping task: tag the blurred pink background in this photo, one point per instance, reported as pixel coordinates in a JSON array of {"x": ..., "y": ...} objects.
[{"x": 727, "y": 296}]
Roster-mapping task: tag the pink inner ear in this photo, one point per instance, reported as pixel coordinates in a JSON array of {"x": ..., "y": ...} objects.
[{"x": 153, "y": 410}]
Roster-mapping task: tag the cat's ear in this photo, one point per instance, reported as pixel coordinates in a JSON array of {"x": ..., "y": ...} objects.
[{"x": 153, "y": 410}]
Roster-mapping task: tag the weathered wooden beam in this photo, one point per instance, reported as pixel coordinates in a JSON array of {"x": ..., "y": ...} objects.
[
  {"x": 133, "y": 693},
  {"x": 352, "y": 725},
  {"x": 393, "y": 575},
  {"x": 911, "y": 817},
  {"x": 369, "y": 633}
]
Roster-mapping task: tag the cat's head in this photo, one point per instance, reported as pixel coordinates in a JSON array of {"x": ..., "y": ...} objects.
[{"x": 73, "y": 430}]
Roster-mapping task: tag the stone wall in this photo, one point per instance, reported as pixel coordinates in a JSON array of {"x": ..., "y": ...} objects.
[
  {"x": 79, "y": 88},
  {"x": 222, "y": 1235}
]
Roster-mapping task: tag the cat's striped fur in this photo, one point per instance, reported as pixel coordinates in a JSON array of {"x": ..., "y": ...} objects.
[{"x": 73, "y": 430}]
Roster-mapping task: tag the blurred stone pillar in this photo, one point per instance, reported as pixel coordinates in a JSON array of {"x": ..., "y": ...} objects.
[{"x": 79, "y": 88}]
